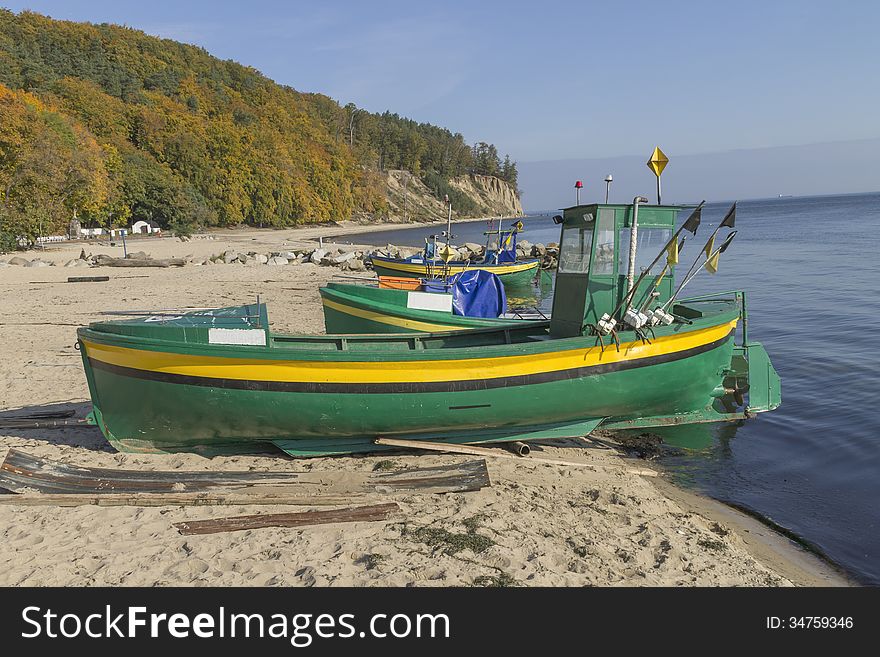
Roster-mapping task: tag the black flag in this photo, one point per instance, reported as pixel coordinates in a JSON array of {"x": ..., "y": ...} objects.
[
  {"x": 730, "y": 218},
  {"x": 693, "y": 222},
  {"x": 727, "y": 242}
]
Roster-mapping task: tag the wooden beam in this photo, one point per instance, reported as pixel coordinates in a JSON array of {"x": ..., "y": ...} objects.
[
  {"x": 24, "y": 473},
  {"x": 87, "y": 279},
  {"x": 173, "y": 499},
  {"x": 369, "y": 513},
  {"x": 483, "y": 451}
]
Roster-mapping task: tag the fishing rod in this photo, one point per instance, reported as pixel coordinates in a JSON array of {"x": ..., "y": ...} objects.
[
  {"x": 653, "y": 294},
  {"x": 606, "y": 325},
  {"x": 714, "y": 256},
  {"x": 729, "y": 221}
]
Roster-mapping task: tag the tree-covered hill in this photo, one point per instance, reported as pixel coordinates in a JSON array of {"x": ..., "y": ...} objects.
[{"x": 108, "y": 123}]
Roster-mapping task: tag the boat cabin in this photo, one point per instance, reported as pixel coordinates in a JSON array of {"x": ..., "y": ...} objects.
[
  {"x": 501, "y": 244},
  {"x": 594, "y": 255}
]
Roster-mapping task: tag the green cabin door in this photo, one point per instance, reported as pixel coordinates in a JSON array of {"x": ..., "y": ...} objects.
[
  {"x": 575, "y": 250},
  {"x": 586, "y": 282}
]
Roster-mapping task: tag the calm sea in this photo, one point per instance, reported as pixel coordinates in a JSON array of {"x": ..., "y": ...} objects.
[{"x": 810, "y": 268}]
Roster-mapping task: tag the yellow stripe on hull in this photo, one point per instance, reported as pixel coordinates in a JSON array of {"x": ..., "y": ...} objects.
[
  {"x": 411, "y": 324},
  {"x": 467, "y": 369}
]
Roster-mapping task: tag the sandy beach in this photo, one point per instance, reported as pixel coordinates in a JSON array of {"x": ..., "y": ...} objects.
[{"x": 537, "y": 525}]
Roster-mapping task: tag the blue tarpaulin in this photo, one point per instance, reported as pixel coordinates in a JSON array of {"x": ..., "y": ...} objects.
[{"x": 477, "y": 293}]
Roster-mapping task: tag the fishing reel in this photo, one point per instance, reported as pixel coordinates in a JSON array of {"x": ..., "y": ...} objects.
[
  {"x": 606, "y": 324},
  {"x": 635, "y": 318},
  {"x": 659, "y": 316},
  {"x": 600, "y": 333}
]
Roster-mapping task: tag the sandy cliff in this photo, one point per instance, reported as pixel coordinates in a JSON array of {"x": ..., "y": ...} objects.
[
  {"x": 492, "y": 194},
  {"x": 409, "y": 197}
]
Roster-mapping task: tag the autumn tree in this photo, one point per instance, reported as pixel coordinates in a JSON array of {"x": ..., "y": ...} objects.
[{"x": 114, "y": 125}]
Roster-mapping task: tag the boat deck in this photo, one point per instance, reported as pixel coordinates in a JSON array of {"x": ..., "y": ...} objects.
[{"x": 196, "y": 331}]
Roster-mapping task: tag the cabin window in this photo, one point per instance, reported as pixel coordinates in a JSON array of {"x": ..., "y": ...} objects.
[
  {"x": 603, "y": 262},
  {"x": 574, "y": 252},
  {"x": 650, "y": 241}
]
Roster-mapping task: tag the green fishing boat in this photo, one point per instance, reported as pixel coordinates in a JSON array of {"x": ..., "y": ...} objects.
[
  {"x": 219, "y": 380},
  {"x": 350, "y": 308}
]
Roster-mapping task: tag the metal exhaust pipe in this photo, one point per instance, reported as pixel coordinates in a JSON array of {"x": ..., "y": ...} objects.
[
  {"x": 519, "y": 448},
  {"x": 633, "y": 243}
]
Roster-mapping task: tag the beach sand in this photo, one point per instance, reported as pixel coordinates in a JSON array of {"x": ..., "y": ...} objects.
[{"x": 537, "y": 525}]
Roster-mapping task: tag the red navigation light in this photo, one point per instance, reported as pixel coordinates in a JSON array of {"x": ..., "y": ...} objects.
[{"x": 578, "y": 184}]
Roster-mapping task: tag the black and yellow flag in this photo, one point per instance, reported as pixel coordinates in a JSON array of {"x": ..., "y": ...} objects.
[
  {"x": 661, "y": 276},
  {"x": 712, "y": 263},
  {"x": 729, "y": 220},
  {"x": 712, "y": 258},
  {"x": 693, "y": 222},
  {"x": 672, "y": 254},
  {"x": 727, "y": 241},
  {"x": 710, "y": 246}
]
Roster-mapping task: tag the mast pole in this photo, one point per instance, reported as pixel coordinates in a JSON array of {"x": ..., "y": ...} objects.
[{"x": 448, "y": 235}]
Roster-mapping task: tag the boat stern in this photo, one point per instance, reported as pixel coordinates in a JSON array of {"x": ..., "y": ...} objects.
[{"x": 752, "y": 373}]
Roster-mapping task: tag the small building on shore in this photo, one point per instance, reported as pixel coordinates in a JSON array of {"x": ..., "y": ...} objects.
[{"x": 145, "y": 227}]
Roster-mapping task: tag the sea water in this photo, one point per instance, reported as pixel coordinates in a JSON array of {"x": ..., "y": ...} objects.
[{"x": 810, "y": 269}]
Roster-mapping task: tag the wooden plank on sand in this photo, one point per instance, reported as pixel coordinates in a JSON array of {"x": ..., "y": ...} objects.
[
  {"x": 253, "y": 497},
  {"x": 369, "y": 513},
  {"x": 87, "y": 279},
  {"x": 483, "y": 451},
  {"x": 21, "y": 472}
]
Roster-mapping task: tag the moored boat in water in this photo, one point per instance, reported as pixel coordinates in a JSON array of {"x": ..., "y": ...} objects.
[
  {"x": 514, "y": 273},
  {"x": 500, "y": 258},
  {"x": 220, "y": 380}
]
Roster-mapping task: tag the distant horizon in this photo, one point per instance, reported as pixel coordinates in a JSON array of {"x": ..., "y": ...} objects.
[
  {"x": 539, "y": 211},
  {"x": 817, "y": 169}
]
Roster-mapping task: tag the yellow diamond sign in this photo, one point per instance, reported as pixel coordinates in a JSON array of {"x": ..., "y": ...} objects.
[
  {"x": 658, "y": 161},
  {"x": 447, "y": 253}
]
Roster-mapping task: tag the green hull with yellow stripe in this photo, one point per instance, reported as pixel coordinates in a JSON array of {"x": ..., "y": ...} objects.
[
  {"x": 364, "y": 309},
  {"x": 515, "y": 273},
  {"x": 220, "y": 381}
]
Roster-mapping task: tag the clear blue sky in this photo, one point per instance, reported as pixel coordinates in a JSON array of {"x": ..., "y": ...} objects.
[{"x": 555, "y": 80}]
